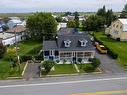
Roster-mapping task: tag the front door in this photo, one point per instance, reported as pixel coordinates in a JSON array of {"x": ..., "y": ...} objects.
[
  {"x": 51, "y": 58},
  {"x": 74, "y": 57}
]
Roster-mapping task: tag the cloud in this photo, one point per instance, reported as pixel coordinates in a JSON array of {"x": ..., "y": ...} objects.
[{"x": 60, "y": 5}]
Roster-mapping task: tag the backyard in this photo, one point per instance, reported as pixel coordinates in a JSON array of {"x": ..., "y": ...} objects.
[
  {"x": 28, "y": 47},
  {"x": 119, "y": 47}
]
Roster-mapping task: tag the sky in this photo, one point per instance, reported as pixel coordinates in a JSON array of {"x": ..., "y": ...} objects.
[{"x": 22, "y": 6}]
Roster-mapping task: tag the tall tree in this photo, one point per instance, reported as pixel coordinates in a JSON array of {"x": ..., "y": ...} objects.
[
  {"x": 71, "y": 24},
  {"x": 109, "y": 17},
  {"x": 124, "y": 12},
  {"x": 93, "y": 23},
  {"x": 76, "y": 14},
  {"x": 101, "y": 11},
  {"x": 42, "y": 24}
]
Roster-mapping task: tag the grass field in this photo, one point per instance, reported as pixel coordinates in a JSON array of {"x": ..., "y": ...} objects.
[
  {"x": 119, "y": 47},
  {"x": 5, "y": 15}
]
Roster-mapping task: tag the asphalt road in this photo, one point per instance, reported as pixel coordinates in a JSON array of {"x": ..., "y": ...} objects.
[{"x": 73, "y": 85}]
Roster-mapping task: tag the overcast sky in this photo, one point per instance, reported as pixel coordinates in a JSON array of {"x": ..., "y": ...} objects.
[{"x": 12, "y": 6}]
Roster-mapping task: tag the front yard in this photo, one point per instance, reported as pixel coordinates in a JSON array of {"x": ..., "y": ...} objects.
[
  {"x": 68, "y": 69},
  {"x": 62, "y": 69},
  {"x": 82, "y": 66},
  {"x": 119, "y": 47},
  {"x": 28, "y": 47}
]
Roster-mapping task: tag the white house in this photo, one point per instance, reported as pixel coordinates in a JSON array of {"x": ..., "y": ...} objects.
[
  {"x": 61, "y": 25},
  {"x": 1, "y": 29},
  {"x": 13, "y": 18},
  {"x": 82, "y": 18},
  {"x": 118, "y": 30},
  {"x": 20, "y": 31},
  {"x": 8, "y": 38},
  {"x": 12, "y": 23}
]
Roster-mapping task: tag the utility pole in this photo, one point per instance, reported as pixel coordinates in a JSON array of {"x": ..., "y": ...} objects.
[{"x": 16, "y": 46}]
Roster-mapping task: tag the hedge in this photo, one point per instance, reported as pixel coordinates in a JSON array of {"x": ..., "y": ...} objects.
[
  {"x": 110, "y": 52},
  {"x": 25, "y": 58}
]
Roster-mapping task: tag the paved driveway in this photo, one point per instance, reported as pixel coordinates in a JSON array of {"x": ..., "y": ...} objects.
[
  {"x": 32, "y": 70},
  {"x": 109, "y": 65}
]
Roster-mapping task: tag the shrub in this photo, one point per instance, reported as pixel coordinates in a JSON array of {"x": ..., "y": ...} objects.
[
  {"x": 48, "y": 65},
  {"x": 96, "y": 62},
  {"x": 25, "y": 58},
  {"x": 38, "y": 57},
  {"x": 88, "y": 68},
  {"x": 112, "y": 54}
]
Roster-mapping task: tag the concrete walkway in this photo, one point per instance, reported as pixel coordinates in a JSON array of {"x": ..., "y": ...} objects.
[{"x": 76, "y": 67}]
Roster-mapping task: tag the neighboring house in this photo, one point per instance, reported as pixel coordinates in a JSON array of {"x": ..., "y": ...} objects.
[
  {"x": 118, "y": 30},
  {"x": 61, "y": 25},
  {"x": 82, "y": 18},
  {"x": 20, "y": 31},
  {"x": 13, "y": 18},
  {"x": 12, "y": 23},
  {"x": 69, "y": 46},
  {"x": 1, "y": 29},
  {"x": 8, "y": 38}
]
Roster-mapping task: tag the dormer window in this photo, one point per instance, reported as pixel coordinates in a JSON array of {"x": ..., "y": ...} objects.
[
  {"x": 67, "y": 43},
  {"x": 83, "y": 42}
]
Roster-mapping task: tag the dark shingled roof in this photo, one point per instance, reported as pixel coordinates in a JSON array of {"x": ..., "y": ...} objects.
[
  {"x": 74, "y": 37},
  {"x": 49, "y": 45}
]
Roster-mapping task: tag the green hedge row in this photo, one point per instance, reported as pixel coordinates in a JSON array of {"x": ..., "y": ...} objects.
[{"x": 111, "y": 53}]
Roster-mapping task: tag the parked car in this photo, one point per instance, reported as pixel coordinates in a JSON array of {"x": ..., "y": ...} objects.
[{"x": 101, "y": 49}]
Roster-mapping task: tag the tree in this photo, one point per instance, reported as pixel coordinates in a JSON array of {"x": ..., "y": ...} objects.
[
  {"x": 93, "y": 23},
  {"x": 42, "y": 25},
  {"x": 2, "y": 50},
  {"x": 109, "y": 17},
  {"x": 68, "y": 13},
  {"x": 76, "y": 14},
  {"x": 48, "y": 65},
  {"x": 59, "y": 19},
  {"x": 71, "y": 24},
  {"x": 124, "y": 12},
  {"x": 101, "y": 11},
  {"x": 11, "y": 53},
  {"x": 11, "y": 56}
]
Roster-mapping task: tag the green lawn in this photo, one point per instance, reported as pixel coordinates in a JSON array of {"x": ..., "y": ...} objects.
[
  {"x": 81, "y": 68},
  {"x": 26, "y": 48},
  {"x": 62, "y": 69},
  {"x": 118, "y": 47},
  {"x": 7, "y": 71}
]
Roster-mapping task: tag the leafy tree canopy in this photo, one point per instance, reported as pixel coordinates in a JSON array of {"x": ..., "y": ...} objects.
[{"x": 42, "y": 24}]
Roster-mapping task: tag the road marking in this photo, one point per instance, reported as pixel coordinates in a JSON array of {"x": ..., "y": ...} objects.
[
  {"x": 68, "y": 82},
  {"x": 104, "y": 92}
]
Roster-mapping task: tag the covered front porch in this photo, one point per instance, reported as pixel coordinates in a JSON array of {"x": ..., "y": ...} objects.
[{"x": 76, "y": 56}]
